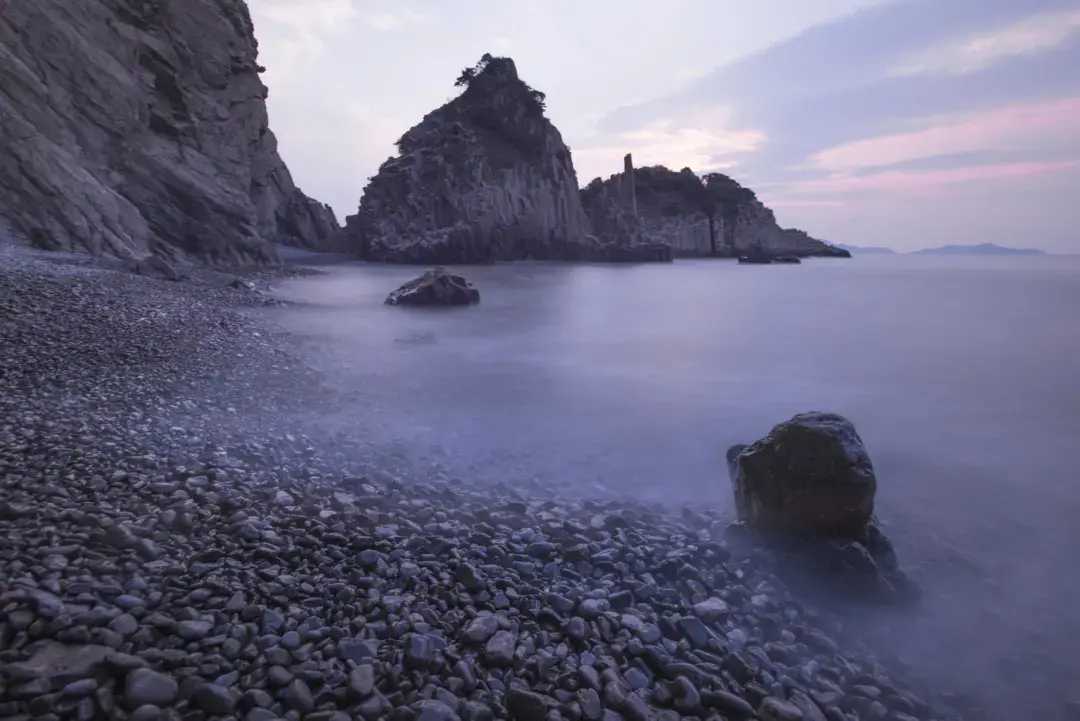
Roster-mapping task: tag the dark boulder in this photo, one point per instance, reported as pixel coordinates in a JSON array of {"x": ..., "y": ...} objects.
[
  {"x": 811, "y": 474},
  {"x": 806, "y": 492},
  {"x": 435, "y": 287}
]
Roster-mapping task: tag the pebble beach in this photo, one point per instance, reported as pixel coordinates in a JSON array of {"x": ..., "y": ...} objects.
[{"x": 179, "y": 540}]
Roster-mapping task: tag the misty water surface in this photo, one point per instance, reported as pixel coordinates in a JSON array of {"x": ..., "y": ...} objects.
[{"x": 960, "y": 374}]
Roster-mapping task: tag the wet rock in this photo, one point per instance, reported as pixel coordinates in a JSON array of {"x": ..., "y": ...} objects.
[
  {"x": 144, "y": 686},
  {"x": 58, "y": 664},
  {"x": 811, "y": 474},
  {"x": 193, "y": 630},
  {"x": 776, "y": 709},
  {"x": 471, "y": 578},
  {"x": 434, "y": 288},
  {"x": 421, "y": 650},
  {"x": 481, "y": 629},
  {"x": 525, "y": 705},
  {"x": 712, "y": 608},
  {"x": 298, "y": 696},
  {"x": 362, "y": 681},
  {"x": 432, "y": 710},
  {"x": 727, "y": 703},
  {"x": 214, "y": 699},
  {"x": 499, "y": 650},
  {"x": 807, "y": 492}
]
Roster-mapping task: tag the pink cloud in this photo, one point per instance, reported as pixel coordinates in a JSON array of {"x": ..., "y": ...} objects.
[
  {"x": 705, "y": 138},
  {"x": 912, "y": 182},
  {"x": 803, "y": 203},
  {"x": 1043, "y": 126}
]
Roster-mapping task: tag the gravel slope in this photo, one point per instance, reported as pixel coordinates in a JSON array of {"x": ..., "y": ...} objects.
[{"x": 178, "y": 541}]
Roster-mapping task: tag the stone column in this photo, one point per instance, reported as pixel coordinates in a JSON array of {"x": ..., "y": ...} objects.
[{"x": 628, "y": 184}]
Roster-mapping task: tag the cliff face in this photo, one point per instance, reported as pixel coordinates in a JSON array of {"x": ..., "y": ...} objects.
[
  {"x": 698, "y": 217},
  {"x": 486, "y": 177},
  {"x": 135, "y": 127}
]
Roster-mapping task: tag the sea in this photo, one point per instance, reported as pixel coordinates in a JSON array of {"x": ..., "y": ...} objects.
[{"x": 960, "y": 374}]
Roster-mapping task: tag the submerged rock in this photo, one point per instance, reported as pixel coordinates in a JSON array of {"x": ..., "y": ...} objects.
[
  {"x": 435, "y": 287},
  {"x": 807, "y": 491},
  {"x": 484, "y": 178},
  {"x": 137, "y": 128}
]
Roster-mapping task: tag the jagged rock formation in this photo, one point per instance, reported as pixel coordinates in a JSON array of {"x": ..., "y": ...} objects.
[
  {"x": 698, "y": 216},
  {"x": 136, "y": 127},
  {"x": 486, "y": 177}
]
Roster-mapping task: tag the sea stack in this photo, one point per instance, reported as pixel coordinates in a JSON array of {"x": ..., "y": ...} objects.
[
  {"x": 697, "y": 216},
  {"x": 485, "y": 178},
  {"x": 134, "y": 128}
]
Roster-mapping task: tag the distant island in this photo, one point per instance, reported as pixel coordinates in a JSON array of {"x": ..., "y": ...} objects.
[
  {"x": 866, "y": 249},
  {"x": 980, "y": 249}
]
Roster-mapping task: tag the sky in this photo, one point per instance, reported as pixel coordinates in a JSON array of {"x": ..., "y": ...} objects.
[{"x": 904, "y": 123}]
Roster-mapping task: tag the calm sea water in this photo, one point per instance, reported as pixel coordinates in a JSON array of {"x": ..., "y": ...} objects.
[{"x": 960, "y": 374}]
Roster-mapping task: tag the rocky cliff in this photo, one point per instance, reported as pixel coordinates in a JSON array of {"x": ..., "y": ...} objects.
[
  {"x": 136, "y": 127},
  {"x": 697, "y": 216},
  {"x": 486, "y": 177}
]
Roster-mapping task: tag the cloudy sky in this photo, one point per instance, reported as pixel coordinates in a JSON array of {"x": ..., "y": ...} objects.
[{"x": 906, "y": 123}]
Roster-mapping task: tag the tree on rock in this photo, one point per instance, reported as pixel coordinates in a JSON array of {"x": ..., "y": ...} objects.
[
  {"x": 465, "y": 78},
  {"x": 538, "y": 97},
  {"x": 469, "y": 74}
]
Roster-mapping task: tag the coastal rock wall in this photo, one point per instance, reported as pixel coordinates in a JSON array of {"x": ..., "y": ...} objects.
[
  {"x": 135, "y": 127},
  {"x": 698, "y": 216},
  {"x": 484, "y": 178}
]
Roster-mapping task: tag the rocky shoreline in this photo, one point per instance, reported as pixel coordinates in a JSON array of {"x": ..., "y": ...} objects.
[{"x": 178, "y": 541}]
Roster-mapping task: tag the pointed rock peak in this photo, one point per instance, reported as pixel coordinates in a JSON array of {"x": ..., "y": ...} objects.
[
  {"x": 502, "y": 70},
  {"x": 495, "y": 80},
  {"x": 486, "y": 177},
  {"x": 489, "y": 70}
]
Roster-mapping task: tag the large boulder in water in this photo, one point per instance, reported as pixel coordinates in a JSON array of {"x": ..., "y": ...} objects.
[
  {"x": 805, "y": 494},
  {"x": 811, "y": 474},
  {"x": 435, "y": 287}
]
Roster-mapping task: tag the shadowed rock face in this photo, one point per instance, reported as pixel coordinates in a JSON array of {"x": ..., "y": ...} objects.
[
  {"x": 710, "y": 216},
  {"x": 484, "y": 178},
  {"x": 132, "y": 127}
]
